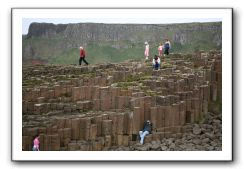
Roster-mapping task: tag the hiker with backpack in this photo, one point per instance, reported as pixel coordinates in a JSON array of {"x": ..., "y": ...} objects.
[
  {"x": 82, "y": 56},
  {"x": 147, "y": 129},
  {"x": 156, "y": 62},
  {"x": 167, "y": 46}
]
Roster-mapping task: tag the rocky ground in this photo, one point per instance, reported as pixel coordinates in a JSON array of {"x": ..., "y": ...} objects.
[
  {"x": 205, "y": 136},
  {"x": 102, "y": 107}
]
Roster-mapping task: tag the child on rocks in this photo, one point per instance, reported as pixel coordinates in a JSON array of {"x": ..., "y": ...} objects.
[
  {"x": 156, "y": 63},
  {"x": 36, "y": 143}
]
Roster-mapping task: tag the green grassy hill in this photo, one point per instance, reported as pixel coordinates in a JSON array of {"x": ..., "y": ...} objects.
[{"x": 64, "y": 49}]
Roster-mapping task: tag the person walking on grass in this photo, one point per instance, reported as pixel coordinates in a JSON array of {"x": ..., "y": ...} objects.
[
  {"x": 167, "y": 46},
  {"x": 82, "y": 56},
  {"x": 160, "y": 50},
  {"x": 146, "y": 52}
]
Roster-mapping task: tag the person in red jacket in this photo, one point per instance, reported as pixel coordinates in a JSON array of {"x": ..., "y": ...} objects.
[{"x": 82, "y": 56}]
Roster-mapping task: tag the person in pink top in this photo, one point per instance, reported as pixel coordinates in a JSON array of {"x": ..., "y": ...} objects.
[
  {"x": 146, "y": 53},
  {"x": 36, "y": 143},
  {"x": 160, "y": 50}
]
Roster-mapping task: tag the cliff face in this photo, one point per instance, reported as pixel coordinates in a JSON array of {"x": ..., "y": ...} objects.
[
  {"x": 116, "y": 32},
  {"x": 49, "y": 40},
  {"x": 45, "y": 30}
]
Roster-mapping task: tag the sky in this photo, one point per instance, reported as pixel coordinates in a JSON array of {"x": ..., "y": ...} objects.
[{"x": 27, "y": 21}]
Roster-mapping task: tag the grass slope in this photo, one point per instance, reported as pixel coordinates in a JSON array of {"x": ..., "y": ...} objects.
[{"x": 59, "y": 50}]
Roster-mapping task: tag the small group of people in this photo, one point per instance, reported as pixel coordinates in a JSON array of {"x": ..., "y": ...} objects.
[{"x": 163, "y": 50}]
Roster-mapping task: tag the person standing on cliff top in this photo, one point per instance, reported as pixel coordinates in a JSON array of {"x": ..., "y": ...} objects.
[
  {"x": 82, "y": 56},
  {"x": 167, "y": 46},
  {"x": 146, "y": 53}
]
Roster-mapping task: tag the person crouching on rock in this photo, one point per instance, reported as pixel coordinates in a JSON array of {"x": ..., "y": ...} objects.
[
  {"x": 82, "y": 56},
  {"x": 147, "y": 129},
  {"x": 156, "y": 62}
]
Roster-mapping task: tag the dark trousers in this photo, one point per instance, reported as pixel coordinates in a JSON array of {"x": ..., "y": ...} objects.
[
  {"x": 166, "y": 51},
  {"x": 156, "y": 66},
  {"x": 83, "y": 60}
]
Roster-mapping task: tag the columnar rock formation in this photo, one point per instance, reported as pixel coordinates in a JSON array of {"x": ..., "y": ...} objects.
[{"x": 100, "y": 106}]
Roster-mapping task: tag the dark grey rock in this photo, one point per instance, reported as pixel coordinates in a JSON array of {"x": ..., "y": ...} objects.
[
  {"x": 197, "y": 130},
  {"x": 197, "y": 141},
  {"x": 183, "y": 147},
  {"x": 170, "y": 141},
  {"x": 209, "y": 135},
  {"x": 143, "y": 148},
  {"x": 213, "y": 143},
  {"x": 156, "y": 147},
  {"x": 164, "y": 148},
  {"x": 218, "y": 148},
  {"x": 178, "y": 142},
  {"x": 206, "y": 140},
  {"x": 190, "y": 137},
  {"x": 216, "y": 121},
  {"x": 199, "y": 147},
  {"x": 172, "y": 146},
  {"x": 210, "y": 148}
]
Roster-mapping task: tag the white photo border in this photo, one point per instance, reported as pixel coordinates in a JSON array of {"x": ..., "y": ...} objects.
[{"x": 18, "y": 14}]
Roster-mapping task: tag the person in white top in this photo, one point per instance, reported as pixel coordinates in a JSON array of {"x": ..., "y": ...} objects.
[{"x": 156, "y": 62}]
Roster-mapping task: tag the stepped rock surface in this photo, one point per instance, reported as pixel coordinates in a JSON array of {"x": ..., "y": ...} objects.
[{"x": 103, "y": 107}]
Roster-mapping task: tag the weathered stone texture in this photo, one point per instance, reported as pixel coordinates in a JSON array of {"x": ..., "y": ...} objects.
[{"x": 103, "y": 106}]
